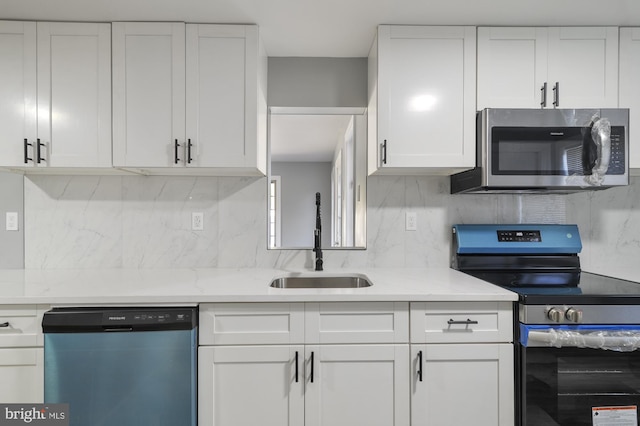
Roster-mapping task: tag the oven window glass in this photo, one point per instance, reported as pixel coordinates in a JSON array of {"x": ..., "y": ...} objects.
[
  {"x": 549, "y": 151},
  {"x": 560, "y": 386}
]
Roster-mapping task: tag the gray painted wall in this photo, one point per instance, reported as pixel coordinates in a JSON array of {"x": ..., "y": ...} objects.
[
  {"x": 317, "y": 82},
  {"x": 300, "y": 182},
  {"x": 11, "y": 200}
]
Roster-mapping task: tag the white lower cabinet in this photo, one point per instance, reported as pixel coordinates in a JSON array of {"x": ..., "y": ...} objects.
[
  {"x": 462, "y": 384},
  {"x": 22, "y": 372},
  {"x": 304, "y": 382},
  {"x": 21, "y": 354},
  {"x": 462, "y": 364},
  {"x": 250, "y": 385},
  {"x": 346, "y": 364},
  {"x": 347, "y": 385}
]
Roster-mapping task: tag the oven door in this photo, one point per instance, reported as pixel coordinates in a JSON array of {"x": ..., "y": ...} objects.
[{"x": 588, "y": 376}]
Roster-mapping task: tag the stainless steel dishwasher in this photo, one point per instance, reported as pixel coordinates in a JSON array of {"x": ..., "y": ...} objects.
[{"x": 122, "y": 366}]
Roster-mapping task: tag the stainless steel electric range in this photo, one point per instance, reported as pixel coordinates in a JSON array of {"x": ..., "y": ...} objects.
[{"x": 576, "y": 334}]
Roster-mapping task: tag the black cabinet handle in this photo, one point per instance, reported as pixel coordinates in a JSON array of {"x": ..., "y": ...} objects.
[
  {"x": 176, "y": 145},
  {"x": 420, "y": 365},
  {"x": 467, "y": 322},
  {"x": 189, "y": 145},
  {"x": 26, "y": 151},
  {"x": 38, "y": 156},
  {"x": 4, "y": 324},
  {"x": 556, "y": 95},
  {"x": 543, "y": 95},
  {"x": 311, "y": 367},
  {"x": 384, "y": 152},
  {"x": 296, "y": 366}
]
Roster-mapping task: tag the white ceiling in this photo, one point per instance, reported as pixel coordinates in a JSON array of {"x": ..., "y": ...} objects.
[
  {"x": 306, "y": 137},
  {"x": 331, "y": 28}
]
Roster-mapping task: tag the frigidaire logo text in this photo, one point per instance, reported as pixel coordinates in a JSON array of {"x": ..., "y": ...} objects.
[
  {"x": 117, "y": 318},
  {"x": 32, "y": 414}
]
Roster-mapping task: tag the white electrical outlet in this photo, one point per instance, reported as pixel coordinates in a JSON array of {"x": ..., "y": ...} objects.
[
  {"x": 11, "y": 221},
  {"x": 197, "y": 221},
  {"x": 411, "y": 221}
]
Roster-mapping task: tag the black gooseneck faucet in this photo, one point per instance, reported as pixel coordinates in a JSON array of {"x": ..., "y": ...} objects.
[{"x": 317, "y": 234}]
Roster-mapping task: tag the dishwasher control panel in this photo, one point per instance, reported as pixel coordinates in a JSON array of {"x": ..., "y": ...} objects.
[{"x": 83, "y": 320}]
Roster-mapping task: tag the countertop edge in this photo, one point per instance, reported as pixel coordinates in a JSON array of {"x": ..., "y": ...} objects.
[{"x": 190, "y": 286}]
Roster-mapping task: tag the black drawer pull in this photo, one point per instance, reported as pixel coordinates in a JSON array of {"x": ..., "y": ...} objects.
[
  {"x": 26, "y": 151},
  {"x": 296, "y": 366},
  {"x": 467, "y": 322},
  {"x": 39, "y": 157},
  {"x": 176, "y": 145},
  {"x": 4, "y": 324},
  {"x": 311, "y": 367}
]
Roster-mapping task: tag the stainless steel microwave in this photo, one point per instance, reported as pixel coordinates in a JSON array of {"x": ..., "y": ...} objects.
[{"x": 548, "y": 150}]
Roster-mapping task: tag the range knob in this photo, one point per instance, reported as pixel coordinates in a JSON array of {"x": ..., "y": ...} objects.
[
  {"x": 573, "y": 315},
  {"x": 555, "y": 314}
]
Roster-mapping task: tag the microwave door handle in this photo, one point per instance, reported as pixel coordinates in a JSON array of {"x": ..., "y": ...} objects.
[
  {"x": 603, "y": 133},
  {"x": 601, "y": 136}
]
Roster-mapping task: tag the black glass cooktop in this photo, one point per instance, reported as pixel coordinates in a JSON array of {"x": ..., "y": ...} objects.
[{"x": 579, "y": 288}]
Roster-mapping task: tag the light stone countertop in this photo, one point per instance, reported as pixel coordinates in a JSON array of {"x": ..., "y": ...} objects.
[{"x": 192, "y": 286}]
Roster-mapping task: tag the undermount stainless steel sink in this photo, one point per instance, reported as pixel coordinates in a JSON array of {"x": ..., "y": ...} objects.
[{"x": 349, "y": 281}]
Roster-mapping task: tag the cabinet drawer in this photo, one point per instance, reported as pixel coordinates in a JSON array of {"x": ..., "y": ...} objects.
[
  {"x": 251, "y": 323},
  {"x": 357, "y": 322},
  {"x": 21, "y": 325},
  {"x": 22, "y": 372},
  {"x": 454, "y": 322}
]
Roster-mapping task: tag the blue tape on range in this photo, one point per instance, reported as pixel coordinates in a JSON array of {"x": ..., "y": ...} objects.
[{"x": 525, "y": 329}]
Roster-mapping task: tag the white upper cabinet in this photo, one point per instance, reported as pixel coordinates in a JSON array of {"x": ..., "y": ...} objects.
[
  {"x": 422, "y": 100},
  {"x": 148, "y": 94},
  {"x": 222, "y": 89},
  {"x": 564, "y": 67},
  {"x": 630, "y": 86},
  {"x": 55, "y": 95},
  {"x": 189, "y": 98},
  {"x": 17, "y": 91}
]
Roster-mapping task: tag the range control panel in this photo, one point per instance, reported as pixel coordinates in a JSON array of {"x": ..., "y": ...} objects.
[{"x": 519, "y": 236}]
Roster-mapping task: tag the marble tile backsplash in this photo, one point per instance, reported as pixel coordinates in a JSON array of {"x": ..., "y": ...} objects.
[{"x": 145, "y": 222}]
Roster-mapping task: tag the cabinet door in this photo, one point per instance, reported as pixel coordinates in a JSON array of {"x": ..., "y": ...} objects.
[
  {"x": 22, "y": 372},
  {"x": 426, "y": 97},
  {"x": 630, "y": 84},
  {"x": 462, "y": 384},
  {"x": 584, "y": 62},
  {"x": 17, "y": 92},
  {"x": 148, "y": 94},
  {"x": 350, "y": 385},
  {"x": 250, "y": 385},
  {"x": 221, "y": 61},
  {"x": 512, "y": 67},
  {"x": 74, "y": 95}
]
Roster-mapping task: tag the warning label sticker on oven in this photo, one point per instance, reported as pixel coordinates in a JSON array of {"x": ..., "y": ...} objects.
[{"x": 615, "y": 416}]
